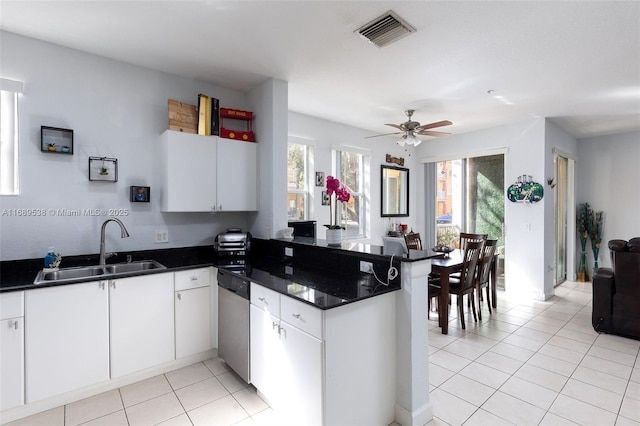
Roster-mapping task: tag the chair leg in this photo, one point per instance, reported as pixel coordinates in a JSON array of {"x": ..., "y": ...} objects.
[
  {"x": 461, "y": 311},
  {"x": 473, "y": 305},
  {"x": 479, "y": 295},
  {"x": 489, "y": 299}
]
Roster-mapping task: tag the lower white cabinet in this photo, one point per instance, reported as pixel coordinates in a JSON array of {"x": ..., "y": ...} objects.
[
  {"x": 11, "y": 350},
  {"x": 286, "y": 362},
  {"x": 142, "y": 323},
  {"x": 193, "y": 311},
  {"x": 67, "y": 338},
  {"x": 324, "y": 367}
]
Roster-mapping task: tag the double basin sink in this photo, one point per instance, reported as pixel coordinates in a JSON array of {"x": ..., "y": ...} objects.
[{"x": 99, "y": 272}]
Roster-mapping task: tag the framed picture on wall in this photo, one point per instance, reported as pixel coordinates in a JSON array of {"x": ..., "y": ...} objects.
[
  {"x": 56, "y": 140},
  {"x": 103, "y": 168},
  {"x": 325, "y": 198},
  {"x": 140, "y": 194},
  {"x": 319, "y": 178}
]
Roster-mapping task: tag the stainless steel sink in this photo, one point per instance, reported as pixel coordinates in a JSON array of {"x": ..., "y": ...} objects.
[
  {"x": 98, "y": 272},
  {"x": 143, "y": 265},
  {"x": 72, "y": 273}
]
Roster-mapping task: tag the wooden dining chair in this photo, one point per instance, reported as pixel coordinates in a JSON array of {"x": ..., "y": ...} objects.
[
  {"x": 466, "y": 284},
  {"x": 483, "y": 274},
  {"x": 413, "y": 241}
]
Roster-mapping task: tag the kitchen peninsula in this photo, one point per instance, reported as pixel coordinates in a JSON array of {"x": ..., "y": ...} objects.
[{"x": 354, "y": 358}]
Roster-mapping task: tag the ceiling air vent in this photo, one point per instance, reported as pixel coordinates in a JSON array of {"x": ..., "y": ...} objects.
[{"x": 385, "y": 29}]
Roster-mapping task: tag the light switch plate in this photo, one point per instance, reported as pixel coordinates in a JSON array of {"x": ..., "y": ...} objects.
[{"x": 162, "y": 236}]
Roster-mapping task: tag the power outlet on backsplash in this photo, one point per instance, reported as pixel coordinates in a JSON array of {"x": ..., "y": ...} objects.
[
  {"x": 288, "y": 251},
  {"x": 366, "y": 267}
]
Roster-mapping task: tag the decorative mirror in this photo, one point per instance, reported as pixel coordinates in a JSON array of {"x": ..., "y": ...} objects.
[{"x": 394, "y": 191}]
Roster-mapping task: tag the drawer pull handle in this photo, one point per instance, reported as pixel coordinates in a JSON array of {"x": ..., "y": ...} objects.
[
  {"x": 194, "y": 278},
  {"x": 262, "y": 299},
  {"x": 179, "y": 296},
  {"x": 296, "y": 316}
]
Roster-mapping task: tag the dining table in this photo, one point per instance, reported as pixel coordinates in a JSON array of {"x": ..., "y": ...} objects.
[{"x": 445, "y": 265}]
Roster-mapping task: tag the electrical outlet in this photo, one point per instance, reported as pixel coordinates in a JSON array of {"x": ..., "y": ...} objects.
[
  {"x": 366, "y": 267},
  {"x": 288, "y": 251},
  {"x": 162, "y": 236}
]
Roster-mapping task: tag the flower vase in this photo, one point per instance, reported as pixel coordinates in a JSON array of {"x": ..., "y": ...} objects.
[
  {"x": 595, "y": 257},
  {"x": 583, "y": 273},
  {"x": 334, "y": 237}
]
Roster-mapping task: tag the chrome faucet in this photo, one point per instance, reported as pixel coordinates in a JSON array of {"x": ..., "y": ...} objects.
[{"x": 123, "y": 234}]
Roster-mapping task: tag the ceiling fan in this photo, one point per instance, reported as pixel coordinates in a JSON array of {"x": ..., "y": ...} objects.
[{"x": 413, "y": 128}]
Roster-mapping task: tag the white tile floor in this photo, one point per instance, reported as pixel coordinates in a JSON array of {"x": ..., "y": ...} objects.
[{"x": 529, "y": 363}]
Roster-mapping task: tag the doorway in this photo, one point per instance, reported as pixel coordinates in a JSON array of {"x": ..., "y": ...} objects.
[{"x": 560, "y": 197}]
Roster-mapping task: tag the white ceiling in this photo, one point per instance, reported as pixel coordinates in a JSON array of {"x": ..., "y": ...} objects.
[{"x": 577, "y": 62}]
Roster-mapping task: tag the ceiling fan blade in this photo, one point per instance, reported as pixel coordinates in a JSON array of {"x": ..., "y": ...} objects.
[
  {"x": 384, "y": 134},
  {"x": 397, "y": 126},
  {"x": 434, "y": 125},
  {"x": 434, "y": 134}
]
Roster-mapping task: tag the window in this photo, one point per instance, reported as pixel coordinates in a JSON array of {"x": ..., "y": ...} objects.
[
  {"x": 9, "y": 136},
  {"x": 298, "y": 199},
  {"x": 353, "y": 171}
]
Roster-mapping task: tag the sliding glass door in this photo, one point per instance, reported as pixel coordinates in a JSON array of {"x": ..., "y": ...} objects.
[{"x": 469, "y": 197}]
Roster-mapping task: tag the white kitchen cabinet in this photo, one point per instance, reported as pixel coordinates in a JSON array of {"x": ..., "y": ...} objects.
[
  {"x": 207, "y": 173},
  {"x": 66, "y": 337},
  {"x": 237, "y": 175},
  {"x": 11, "y": 350},
  {"x": 142, "y": 322},
  {"x": 324, "y": 367},
  {"x": 286, "y": 362},
  {"x": 193, "y": 311}
]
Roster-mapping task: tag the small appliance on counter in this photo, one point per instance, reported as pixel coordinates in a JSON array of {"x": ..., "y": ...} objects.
[
  {"x": 303, "y": 228},
  {"x": 232, "y": 243}
]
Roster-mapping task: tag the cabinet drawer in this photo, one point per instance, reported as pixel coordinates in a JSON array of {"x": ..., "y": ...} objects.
[
  {"x": 11, "y": 305},
  {"x": 302, "y": 316},
  {"x": 266, "y": 299},
  {"x": 193, "y": 278}
]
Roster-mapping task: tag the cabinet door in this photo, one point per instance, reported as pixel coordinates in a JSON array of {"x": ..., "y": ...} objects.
[
  {"x": 301, "y": 375},
  {"x": 189, "y": 175},
  {"x": 266, "y": 353},
  {"x": 67, "y": 338},
  {"x": 142, "y": 323},
  {"x": 193, "y": 321},
  {"x": 11, "y": 363},
  {"x": 237, "y": 175}
]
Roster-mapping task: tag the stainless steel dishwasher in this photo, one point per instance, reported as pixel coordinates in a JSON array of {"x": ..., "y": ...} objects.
[{"x": 233, "y": 322}]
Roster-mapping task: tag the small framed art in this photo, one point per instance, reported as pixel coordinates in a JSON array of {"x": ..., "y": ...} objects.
[
  {"x": 140, "y": 194},
  {"x": 103, "y": 168},
  {"x": 56, "y": 140},
  {"x": 325, "y": 198},
  {"x": 319, "y": 178}
]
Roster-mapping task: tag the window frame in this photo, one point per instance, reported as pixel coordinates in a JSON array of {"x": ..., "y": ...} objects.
[
  {"x": 9, "y": 137},
  {"x": 364, "y": 214},
  {"x": 307, "y": 191}
]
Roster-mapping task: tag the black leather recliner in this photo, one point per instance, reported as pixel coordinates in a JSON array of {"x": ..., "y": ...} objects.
[{"x": 616, "y": 291}]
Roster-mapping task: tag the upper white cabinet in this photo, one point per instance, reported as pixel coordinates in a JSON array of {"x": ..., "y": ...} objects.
[
  {"x": 207, "y": 173},
  {"x": 67, "y": 338},
  {"x": 11, "y": 350}
]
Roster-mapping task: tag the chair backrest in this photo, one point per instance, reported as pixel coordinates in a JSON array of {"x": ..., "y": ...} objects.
[
  {"x": 484, "y": 264},
  {"x": 471, "y": 254},
  {"x": 467, "y": 237},
  {"x": 413, "y": 241}
]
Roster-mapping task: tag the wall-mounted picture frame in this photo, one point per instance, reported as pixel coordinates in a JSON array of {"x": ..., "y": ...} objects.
[
  {"x": 325, "y": 198},
  {"x": 56, "y": 140},
  {"x": 140, "y": 194},
  {"x": 319, "y": 178},
  {"x": 103, "y": 169}
]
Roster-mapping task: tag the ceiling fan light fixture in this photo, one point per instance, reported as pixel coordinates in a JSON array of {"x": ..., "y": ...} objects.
[{"x": 402, "y": 140}]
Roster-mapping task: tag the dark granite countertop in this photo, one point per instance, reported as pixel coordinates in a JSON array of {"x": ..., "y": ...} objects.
[{"x": 319, "y": 286}]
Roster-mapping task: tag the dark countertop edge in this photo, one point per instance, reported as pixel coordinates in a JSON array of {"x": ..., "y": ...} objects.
[{"x": 356, "y": 248}]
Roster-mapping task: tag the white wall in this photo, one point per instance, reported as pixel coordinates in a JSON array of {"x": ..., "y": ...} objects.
[
  {"x": 608, "y": 178},
  {"x": 116, "y": 110},
  {"x": 325, "y": 135}
]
